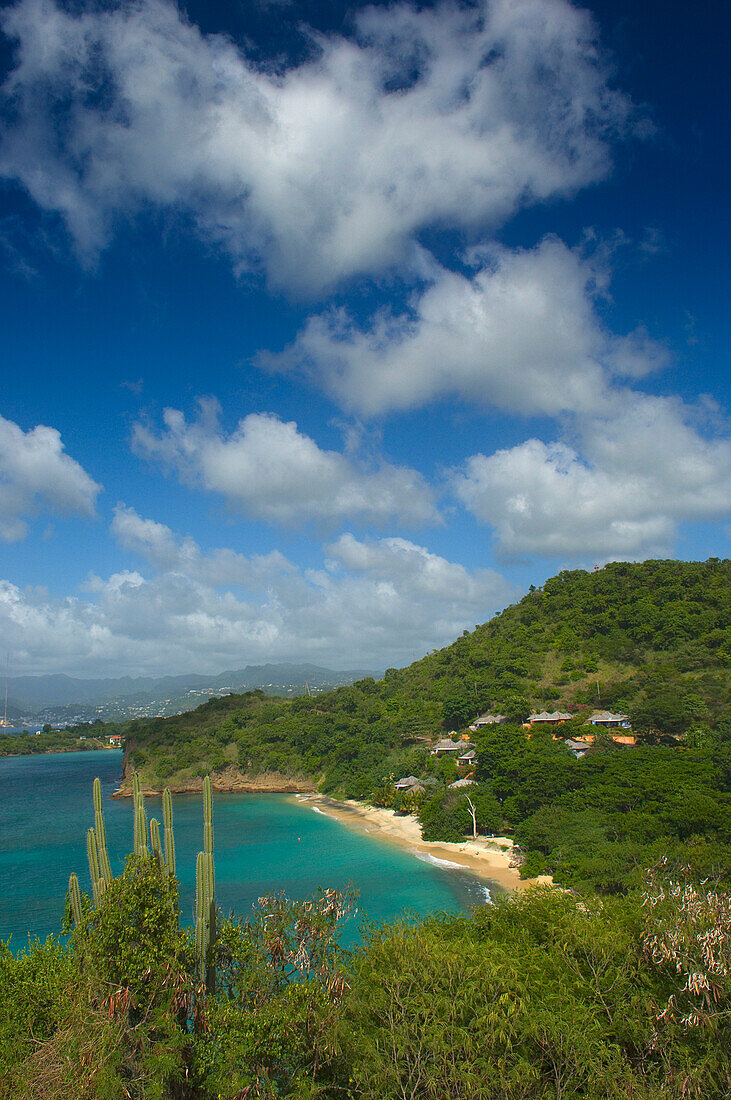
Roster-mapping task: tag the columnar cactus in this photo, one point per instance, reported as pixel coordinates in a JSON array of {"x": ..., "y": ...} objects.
[
  {"x": 105, "y": 867},
  {"x": 205, "y": 904},
  {"x": 167, "y": 818},
  {"x": 98, "y": 884},
  {"x": 205, "y": 893},
  {"x": 75, "y": 899},
  {"x": 205, "y": 919},
  {"x": 140, "y": 817}
]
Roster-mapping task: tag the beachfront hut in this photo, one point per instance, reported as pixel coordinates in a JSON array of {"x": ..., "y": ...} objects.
[{"x": 407, "y": 783}]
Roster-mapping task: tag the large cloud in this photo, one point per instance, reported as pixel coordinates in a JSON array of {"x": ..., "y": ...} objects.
[
  {"x": 268, "y": 469},
  {"x": 372, "y": 603},
  {"x": 521, "y": 334},
  {"x": 644, "y": 469},
  {"x": 34, "y": 474},
  {"x": 453, "y": 116}
]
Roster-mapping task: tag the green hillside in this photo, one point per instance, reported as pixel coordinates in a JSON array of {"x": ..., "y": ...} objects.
[{"x": 652, "y": 639}]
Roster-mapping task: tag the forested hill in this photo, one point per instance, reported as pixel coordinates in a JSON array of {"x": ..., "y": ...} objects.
[
  {"x": 649, "y": 639},
  {"x": 649, "y": 636},
  {"x": 653, "y": 638}
]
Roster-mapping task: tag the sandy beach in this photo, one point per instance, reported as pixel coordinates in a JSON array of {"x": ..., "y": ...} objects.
[{"x": 486, "y": 859}]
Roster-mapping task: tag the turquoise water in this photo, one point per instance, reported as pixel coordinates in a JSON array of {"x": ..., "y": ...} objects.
[{"x": 263, "y": 843}]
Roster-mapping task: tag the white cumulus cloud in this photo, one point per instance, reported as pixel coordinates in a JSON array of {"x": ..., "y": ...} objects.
[
  {"x": 522, "y": 334},
  {"x": 36, "y": 474},
  {"x": 642, "y": 471},
  {"x": 450, "y": 116},
  {"x": 270, "y": 470}
]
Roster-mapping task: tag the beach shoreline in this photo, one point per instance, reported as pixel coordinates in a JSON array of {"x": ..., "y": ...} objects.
[{"x": 486, "y": 858}]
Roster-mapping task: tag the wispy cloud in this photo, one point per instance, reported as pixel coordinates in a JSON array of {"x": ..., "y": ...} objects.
[{"x": 447, "y": 116}]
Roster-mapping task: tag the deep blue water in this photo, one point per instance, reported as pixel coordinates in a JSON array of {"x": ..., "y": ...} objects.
[{"x": 262, "y": 843}]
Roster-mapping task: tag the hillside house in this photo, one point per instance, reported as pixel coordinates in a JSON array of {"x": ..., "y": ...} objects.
[
  {"x": 407, "y": 783},
  {"x": 488, "y": 720},
  {"x": 468, "y": 759},
  {"x": 462, "y": 783},
  {"x": 446, "y": 745},
  {"x": 578, "y": 748},
  {"x": 548, "y": 718},
  {"x": 114, "y": 741},
  {"x": 608, "y": 720}
]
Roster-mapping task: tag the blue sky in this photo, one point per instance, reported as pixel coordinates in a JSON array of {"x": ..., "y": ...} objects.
[{"x": 327, "y": 329}]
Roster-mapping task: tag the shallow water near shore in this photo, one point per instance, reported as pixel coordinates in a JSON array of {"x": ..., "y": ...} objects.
[{"x": 263, "y": 843}]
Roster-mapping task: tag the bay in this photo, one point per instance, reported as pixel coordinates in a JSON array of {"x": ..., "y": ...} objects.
[{"x": 263, "y": 843}]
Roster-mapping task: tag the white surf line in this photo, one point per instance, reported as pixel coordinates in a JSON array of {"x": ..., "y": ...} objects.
[
  {"x": 488, "y": 895},
  {"x": 427, "y": 857},
  {"x": 319, "y": 811}
]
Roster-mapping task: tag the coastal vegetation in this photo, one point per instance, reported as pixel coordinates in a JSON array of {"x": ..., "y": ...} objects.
[
  {"x": 649, "y": 639},
  {"x": 71, "y": 739},
  {"x": 543, "y": 995}
]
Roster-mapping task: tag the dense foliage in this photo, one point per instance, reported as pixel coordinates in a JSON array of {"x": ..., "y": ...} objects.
[{"x": 539, "y": 997}]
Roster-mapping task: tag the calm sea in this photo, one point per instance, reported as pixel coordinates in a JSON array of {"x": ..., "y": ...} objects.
[{"x": 263, "y": 843}]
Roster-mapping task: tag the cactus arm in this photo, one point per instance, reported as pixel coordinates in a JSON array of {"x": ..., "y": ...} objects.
[
  {"x": 101, "y": 835},
  {"x": 140, "y": 818},
  {"x": 207, "y": 816},
  {"x": 210, "y": 878},
  {"x": 75, "y": 900},
  {"x": 202, "y": 912},
  {"x": 155, "y": 847},
  {"x": 105, "y": 867},
  {"x": 167, "y": 817},
  {"x": 97, "y": 882},
  {"x": 205, "y": 893}
]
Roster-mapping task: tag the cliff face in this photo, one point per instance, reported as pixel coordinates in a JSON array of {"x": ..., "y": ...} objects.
[{"x": 231, "y": 779}]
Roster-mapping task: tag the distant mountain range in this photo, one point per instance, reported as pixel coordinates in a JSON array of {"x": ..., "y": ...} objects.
[{"x": 66, "y": 698}]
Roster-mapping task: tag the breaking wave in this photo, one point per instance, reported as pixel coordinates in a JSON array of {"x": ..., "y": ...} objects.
[{"x": 426, "y": 857}]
